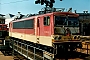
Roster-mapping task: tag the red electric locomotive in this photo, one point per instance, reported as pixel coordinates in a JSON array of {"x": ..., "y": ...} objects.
[{"x": 52, "y": 31}]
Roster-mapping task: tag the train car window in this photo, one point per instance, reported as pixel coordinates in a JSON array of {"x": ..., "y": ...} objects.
[
  {"x": 47, "y": 21},
  {"x": 5, "y": 26},
  {"x": 3, "y": 22},
  {"x": 0, "y": 26}
]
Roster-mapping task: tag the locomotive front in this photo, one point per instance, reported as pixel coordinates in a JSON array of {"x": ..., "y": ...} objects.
[
  {"x": 66, "y": 26},
  {"x": 66, "y": 31}
]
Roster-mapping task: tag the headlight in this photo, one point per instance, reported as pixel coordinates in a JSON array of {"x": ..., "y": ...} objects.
[
  {"x": 57, "y": 37},
  {"x": 75, "y": 37}
]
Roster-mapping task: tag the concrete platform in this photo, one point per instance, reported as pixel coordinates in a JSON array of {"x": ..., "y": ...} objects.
[{"x": 2, "y": 57}]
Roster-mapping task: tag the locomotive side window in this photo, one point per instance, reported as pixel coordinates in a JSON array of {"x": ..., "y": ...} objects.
[
  {"x": 29, "y": 23},
  {"x": 18, "y": 24},
  {"x": 47, "y": 21},
  {"x": 24, "y": 24}
]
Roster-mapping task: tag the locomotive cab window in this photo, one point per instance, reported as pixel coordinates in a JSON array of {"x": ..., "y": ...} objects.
[
  {"x": 47, "y": 21},
  {"x": 66, "y": 21},
  {"x": 60, "y": 20}
]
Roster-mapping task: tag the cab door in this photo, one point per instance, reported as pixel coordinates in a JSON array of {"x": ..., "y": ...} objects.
[
  {"x": 47, "y": 26},
  {"x": 38, "y": 26}
]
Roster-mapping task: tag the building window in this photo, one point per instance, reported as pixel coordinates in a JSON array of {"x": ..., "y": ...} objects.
[{"x": 47, "y": 21}]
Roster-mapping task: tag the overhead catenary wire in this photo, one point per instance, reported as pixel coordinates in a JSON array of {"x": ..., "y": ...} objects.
[{"x": 13, "y": 2}]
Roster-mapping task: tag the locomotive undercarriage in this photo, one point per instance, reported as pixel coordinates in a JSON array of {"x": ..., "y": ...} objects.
[{"x": 39, "y": 52}]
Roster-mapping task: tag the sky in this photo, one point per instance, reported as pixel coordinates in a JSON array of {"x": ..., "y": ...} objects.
[{"x": 29, "y": 6}]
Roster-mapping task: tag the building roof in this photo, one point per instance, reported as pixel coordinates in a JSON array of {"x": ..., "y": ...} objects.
[
  {"x": 19, "y": 16},
  {"x": 84, "y": 14},
  {"x": 2, "y": 16},
  {"x": 8, "y": 16}
]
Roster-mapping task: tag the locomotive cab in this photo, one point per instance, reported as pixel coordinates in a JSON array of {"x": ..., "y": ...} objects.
[{"x": 66, "y": 25}]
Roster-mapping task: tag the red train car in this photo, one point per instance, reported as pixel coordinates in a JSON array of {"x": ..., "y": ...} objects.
[
  {"x": 3, "y": 30},
  {"x": 50, "y": 30}
]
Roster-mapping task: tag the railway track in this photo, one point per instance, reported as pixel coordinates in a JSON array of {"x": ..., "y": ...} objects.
[
  {"x": 75, "y": 55},
  {"x": 65, "y": 56},
  {"x": 38, "y": 54}
]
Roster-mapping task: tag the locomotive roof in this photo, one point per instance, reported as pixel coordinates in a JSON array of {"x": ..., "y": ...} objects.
[{"x": 47, "y": 14}]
